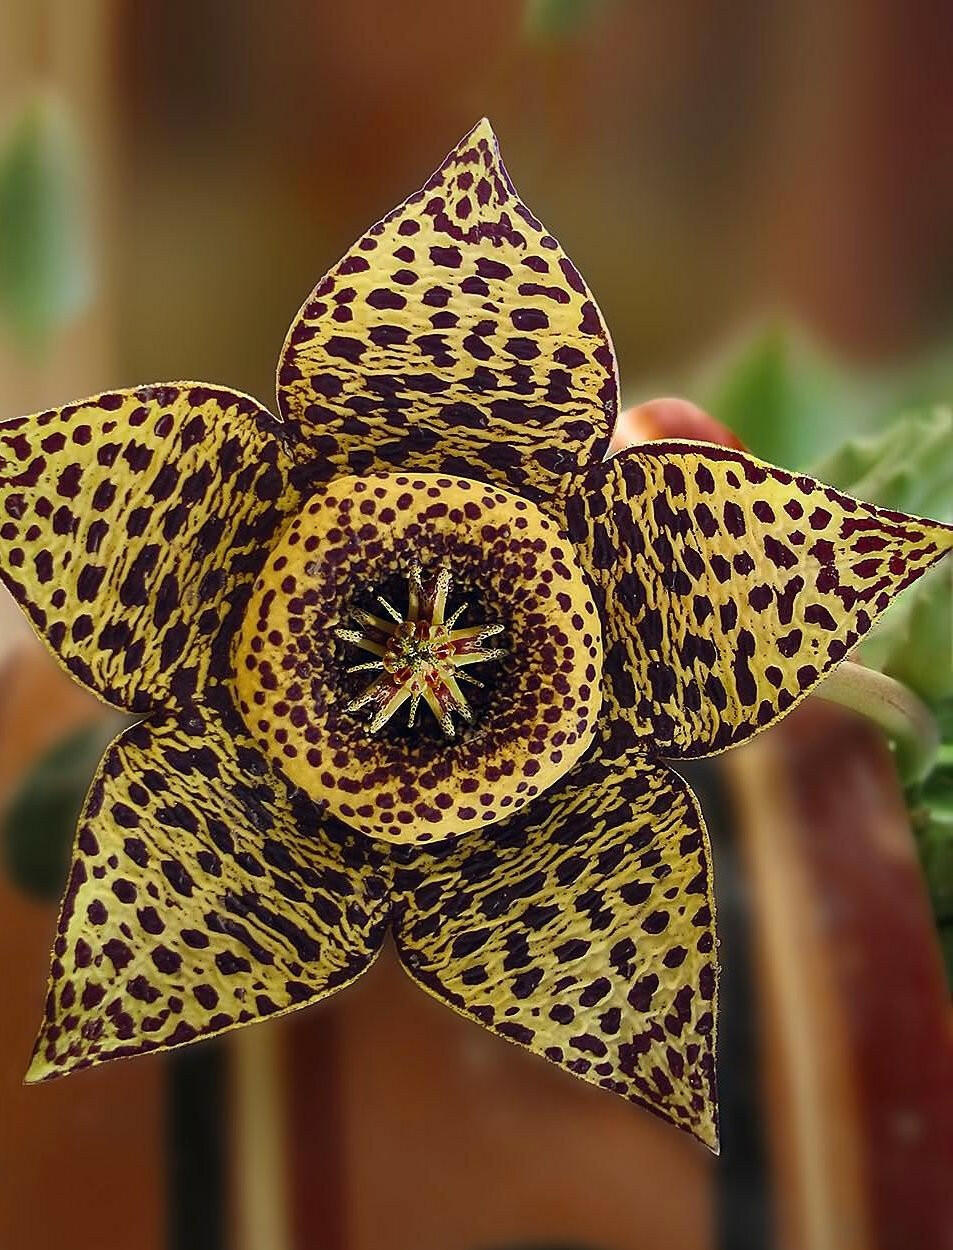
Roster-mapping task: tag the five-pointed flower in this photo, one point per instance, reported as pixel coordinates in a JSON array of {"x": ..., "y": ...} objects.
[{"x": 447, "y": 394}]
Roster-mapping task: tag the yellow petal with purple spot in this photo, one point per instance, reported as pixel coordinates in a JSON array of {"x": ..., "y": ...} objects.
[
  {"x": 729, "y": 588},
  {"x": 455, "y": 336},
  {"x": 582, "y": 929},
  {"x": 132, "y": 525},
  {"x": 203, "y": 894}
]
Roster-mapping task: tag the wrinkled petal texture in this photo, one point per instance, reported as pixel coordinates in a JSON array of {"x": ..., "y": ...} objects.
[
  {"x": 202, "y": 895},
  {"x": 728, "y": 588},
  {"x": 417, "y": 788},
  {"x": 455, "y": 336},
  {"x": 131, "y": 528},
  {"x": 583, "y": 930}
]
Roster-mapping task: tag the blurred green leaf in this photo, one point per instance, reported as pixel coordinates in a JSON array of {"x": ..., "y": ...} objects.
[
  {"x": 932, "y": 820},
  {"x": 914, "y": 641},
  {"x": 40, "y": 820},
  {"x": 908, "y": 467},
  {"x": 792, "y": 403},
  {"x": 780, "y": 395},
  {"x": 795, "y": 407},
  {"x": 44, "y": 260},
  {"x": 558, "y": 19}
]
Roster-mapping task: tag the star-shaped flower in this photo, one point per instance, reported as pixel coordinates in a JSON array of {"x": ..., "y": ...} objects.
[{"x": 447, "y": 394}]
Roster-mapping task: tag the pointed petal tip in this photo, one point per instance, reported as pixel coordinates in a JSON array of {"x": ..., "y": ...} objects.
[
  {"x": 704, "y": 1130},
  {"x": 40, "y": 1069},
  {"x": 938, "y": 533},
  {"x": 707, "y": 1134},
  {"x": 482, "y": 130}
]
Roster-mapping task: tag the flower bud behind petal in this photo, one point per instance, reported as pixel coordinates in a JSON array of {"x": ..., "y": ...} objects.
[{"x": 670, "y": 417}]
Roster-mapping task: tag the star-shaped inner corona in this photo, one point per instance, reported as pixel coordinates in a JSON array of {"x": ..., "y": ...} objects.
[
  {"x": 313, "y": 614},
  {"x": 420, "y": 656}
]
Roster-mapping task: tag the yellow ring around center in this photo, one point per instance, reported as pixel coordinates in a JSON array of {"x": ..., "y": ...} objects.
[{"x": 546, "y": 695}]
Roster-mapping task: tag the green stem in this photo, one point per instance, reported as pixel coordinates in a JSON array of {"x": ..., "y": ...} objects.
[{"x": 901, "y": 714}]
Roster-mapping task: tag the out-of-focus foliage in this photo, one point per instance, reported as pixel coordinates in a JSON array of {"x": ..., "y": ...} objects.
[
  {"x": 780, "y": 395},
  {"x": 909, "y": 466},
  {"x": 44, "y": 258},
  {"x": 932, "y": 815},
  {"x": 558, "y": 19},
  {"x": 797, "y": 407},
  {"x": 40, "y": 820},
  {"x": 792, "y": 403}
]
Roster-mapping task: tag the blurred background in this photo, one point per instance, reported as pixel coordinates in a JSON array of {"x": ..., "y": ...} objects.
[{"x": 761, "y": 197}]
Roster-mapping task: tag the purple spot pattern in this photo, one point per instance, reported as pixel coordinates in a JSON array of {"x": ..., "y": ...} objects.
[
  {"x": 132, "y": 526},
  {"x": 290, "y": 675},
  {"x": 581, "y": 928},
  {"x": 728, "y": 588},
  {"x": 206, "y": 890},
  {"x": 205, "y": 893},
  {"x": 456, "y": 337}
]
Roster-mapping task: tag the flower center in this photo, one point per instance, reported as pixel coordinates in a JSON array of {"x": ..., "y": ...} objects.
[
  {"x": 475, "y": 754},
  {"x": 421, "y": 656}
]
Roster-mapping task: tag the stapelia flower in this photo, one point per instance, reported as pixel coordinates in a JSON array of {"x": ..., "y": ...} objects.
[{"x": 314, "y": 766}]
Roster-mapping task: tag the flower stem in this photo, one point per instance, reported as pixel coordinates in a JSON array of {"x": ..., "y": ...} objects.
[{"x": 891, "y": 705}]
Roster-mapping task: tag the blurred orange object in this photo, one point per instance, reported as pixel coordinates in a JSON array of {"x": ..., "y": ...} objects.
[
  {"x": 82, "y": 1161},
  {"x": 858, "y": 1045},
  {"x": 429, "y": 1132},
  {"x": 670, "y": 417}
]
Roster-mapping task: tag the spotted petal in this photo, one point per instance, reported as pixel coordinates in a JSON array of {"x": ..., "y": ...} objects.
[
  {"x": 729, "y": 588},
  {"x": 583, "y": 930},
  {"x": 131, "y": 527},
  {"x": 202, "y": 895},
  {"x": 455, "y": 335}
]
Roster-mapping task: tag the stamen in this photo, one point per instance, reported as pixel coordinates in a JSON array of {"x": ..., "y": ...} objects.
[
  {"x": 478, "y": 657},
  {"x": 420, "y": 656},
  {"x": 360, "y": 668},
  {"x": 457, "y": 613},
  {"x": 374, "y": 625},
  {"x": 361, "y": 700},
  {"x": 414, "y": 704},
  {"x": 390, "y": 610},
  {"x": 440, "y": 598},
  {"x": 360, "y": 640},
  {"x": 387, "y": 709}
]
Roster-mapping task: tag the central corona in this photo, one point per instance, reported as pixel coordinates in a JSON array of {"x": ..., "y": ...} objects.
[
  {"x": 312, "y": 630},
  {"x": 421, "y": 656}
]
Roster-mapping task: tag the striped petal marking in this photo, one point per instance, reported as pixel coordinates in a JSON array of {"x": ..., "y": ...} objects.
[
  {"x": 583, "y": 929},
  {"x": 447, "y": 393},
  {"x": 203, "y": 894},
  {"x": 728, "y": 588},
  {"x": 132, "y": 526},
  {"x": 455, "y": 336}
]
